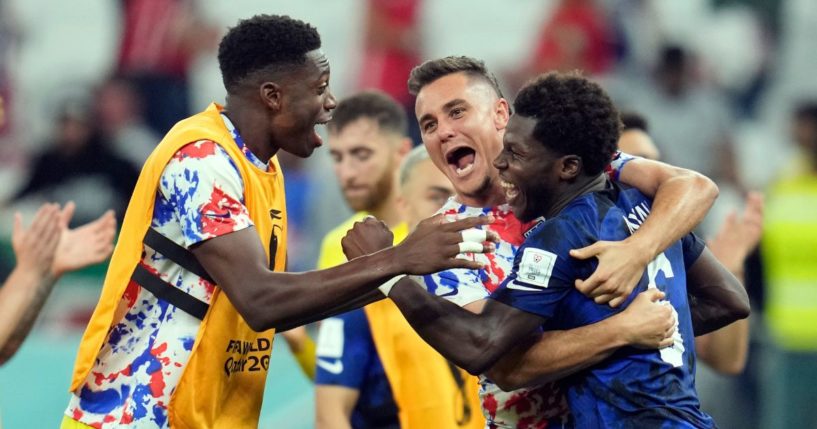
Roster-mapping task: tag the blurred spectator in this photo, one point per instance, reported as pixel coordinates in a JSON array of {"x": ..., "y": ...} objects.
[
  {"x": 392, "y": 47},
  {"x": 118, "y": 110},
  {"x": 575, "y": 36},
  {"x": 160, "y": 40},
  {"x": 690, "y": 120},
  {"x": 79, "y": 166},
  {"x": 789, "y": 251}
]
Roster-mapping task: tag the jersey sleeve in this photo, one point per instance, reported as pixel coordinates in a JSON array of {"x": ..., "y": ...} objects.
[
  {"x": 692, "y": 246},
  {"x": 344, "y": 351},
  {"x": 202, "y": 185},
  {"x": 460, "y": 286},
  {"x": 620, "y": 159},
  {"x": 543, "y": 273}
]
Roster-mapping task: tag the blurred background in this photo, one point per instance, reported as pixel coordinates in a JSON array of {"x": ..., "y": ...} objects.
[{"x": 87, "y": 88}]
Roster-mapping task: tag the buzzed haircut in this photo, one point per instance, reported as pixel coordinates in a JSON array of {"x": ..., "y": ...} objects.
[
  {"x": 375, "y": 105},
  {"x": 414, "y": 157},
  {"x": 432, "y": 70},
  {"x": 261, "y": 42},
  {"x": 634, "y": 121},
  {"x": 573, "y": 116}
]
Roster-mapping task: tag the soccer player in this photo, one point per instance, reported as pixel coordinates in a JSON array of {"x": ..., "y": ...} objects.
[
  {"x": 181, "y": 335},
  {"x": 462, "y": 116},
  {"x": 373, "y": 370},
  {"x": 45, "y": 250},
  {"x": 555, "y": 148}
]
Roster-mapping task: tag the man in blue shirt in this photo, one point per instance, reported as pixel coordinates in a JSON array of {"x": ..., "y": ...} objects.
[
  {"x": 555, "y": 147},
  {"x": 346, "y": 356}
]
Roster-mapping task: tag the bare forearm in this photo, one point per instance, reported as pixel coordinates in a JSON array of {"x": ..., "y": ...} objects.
[
  {"x": 556, "y": 354},
  {"x": 471, "y": 341},
  {"x": 357, "y": 302},
  {"x": 293, "y": 299},
  {"x": 726, "y": 349},
  {"x": 717, "y": 298},
  {"x": 21, "y": 299}
]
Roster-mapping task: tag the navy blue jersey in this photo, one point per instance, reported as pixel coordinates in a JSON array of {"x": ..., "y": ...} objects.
[
  {"x": 633, "y": 387},
  {"x": 347, "y": 357}
]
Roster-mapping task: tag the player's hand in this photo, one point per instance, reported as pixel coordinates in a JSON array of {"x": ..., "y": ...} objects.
[
  {"x": 648, "y": 322},
  {"x": 436, "y": 242},
  {"x": 366, "y": 236},
  {"x": 739, "y": 235},
  {"x": 34, "y": 247},
  {"x": 621, "y": 265},
  {"x": 85, "y": 245}
]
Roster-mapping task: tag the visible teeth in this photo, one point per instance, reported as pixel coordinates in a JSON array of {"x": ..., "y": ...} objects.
[{"x": 465, "y": 169}]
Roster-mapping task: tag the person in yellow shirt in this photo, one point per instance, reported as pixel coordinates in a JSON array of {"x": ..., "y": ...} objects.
[{"x": 368, "y": 361}]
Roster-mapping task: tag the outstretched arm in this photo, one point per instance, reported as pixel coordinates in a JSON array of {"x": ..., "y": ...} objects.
[
  {"x": 31, "y": 281},
  {"x": 681, "y": 200},
  {"x": 556, "y": 354},
  {"x": 268, "y": 299},
  {"x": 474, "y": 342}
]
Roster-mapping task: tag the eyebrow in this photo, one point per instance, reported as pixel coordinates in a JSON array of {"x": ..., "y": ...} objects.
[{"x": 446, "y": 107}]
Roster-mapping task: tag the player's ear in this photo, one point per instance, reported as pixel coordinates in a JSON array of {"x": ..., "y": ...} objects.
[
  {"x": 570, "y": 167},
  {"x": 270, "y": 93}
]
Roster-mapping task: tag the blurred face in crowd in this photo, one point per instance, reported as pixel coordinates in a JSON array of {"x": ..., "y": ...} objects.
[
  {"x": 462, "y": 121},
  {"x": 638, "y": 143},
  {"x": 424, "y": 192},
  {"x": 366, "y": 160},
  {"x": 303, "y": 101}
]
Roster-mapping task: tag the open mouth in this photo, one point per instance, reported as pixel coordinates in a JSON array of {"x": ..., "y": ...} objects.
[
  {"x": 461, "y": 160},
  {"x": 511, "y": 191},
  {"x": 316, "y": 137}
]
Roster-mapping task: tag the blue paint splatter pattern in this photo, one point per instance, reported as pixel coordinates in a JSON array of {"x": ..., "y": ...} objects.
[{"x": 200, "y": 196}]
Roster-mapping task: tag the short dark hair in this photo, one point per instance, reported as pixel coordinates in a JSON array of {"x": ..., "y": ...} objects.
[
  {"x": 375, "y": 105},
  {"x": 432, "y": 70},
  {"x": 634, "y": 121},
  {"x": 262, "y": 41},
  {"x": 573, "y": 116}
]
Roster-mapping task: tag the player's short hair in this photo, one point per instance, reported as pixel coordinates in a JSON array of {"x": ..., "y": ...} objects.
[
  {"x": 375, "y": 105},
  {"x": 573, "y": 116},
  {"x": 261, "y": 42},
  {"x": 432, "y": 70},
  {"x": 414, "y": 157},
  {"x": 634, "y": 121}
]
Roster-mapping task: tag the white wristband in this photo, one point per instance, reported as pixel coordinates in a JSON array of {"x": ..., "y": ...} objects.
[{"x": 386, "y": 287}]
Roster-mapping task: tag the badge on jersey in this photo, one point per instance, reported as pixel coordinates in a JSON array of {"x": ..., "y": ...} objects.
[{"x": 535, "y": 269}]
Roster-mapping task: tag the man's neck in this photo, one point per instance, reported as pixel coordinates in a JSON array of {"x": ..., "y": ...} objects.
[
  {"x": 575, "y": 190},
  {"x": 389, "y": 212},
  {"x": 250, "y": 126},
  {"x": 493, "y": 197}
]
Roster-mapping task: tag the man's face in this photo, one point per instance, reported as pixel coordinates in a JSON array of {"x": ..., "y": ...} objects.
[
  {"x": 462, "y": 120},
  {"x": 425, "y": 191},
  {"x": 527, "y": 170},
  {"x": 365, "y": 159},
  {"x": 305, "y": 101}
]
